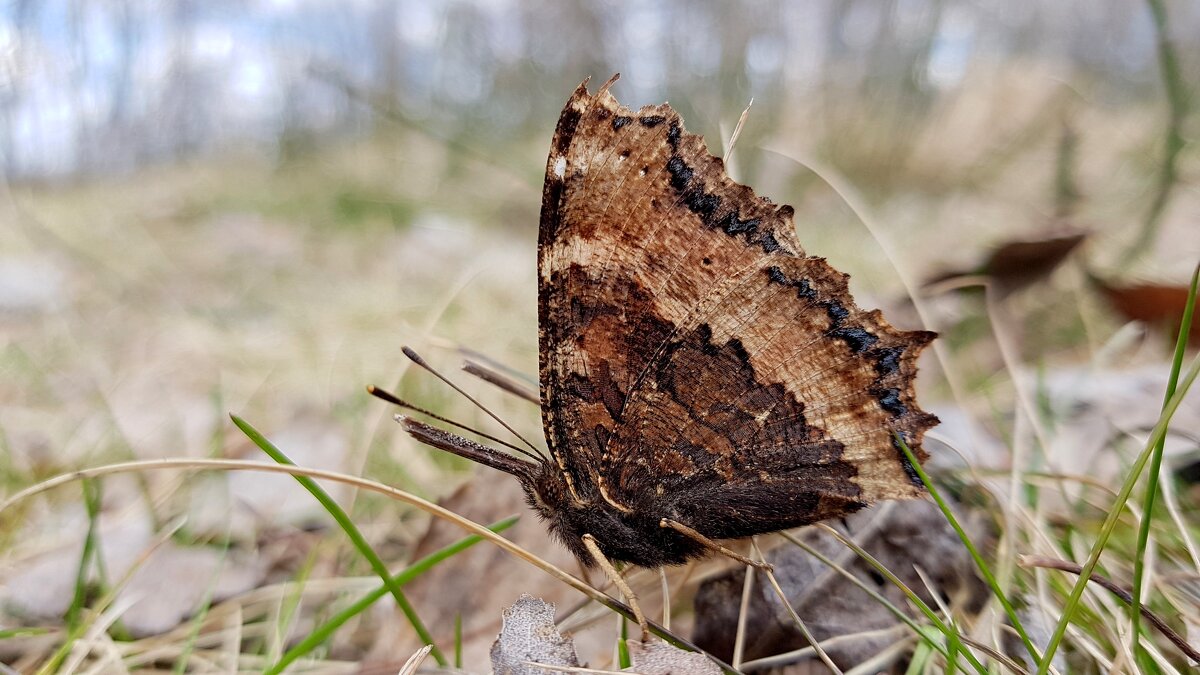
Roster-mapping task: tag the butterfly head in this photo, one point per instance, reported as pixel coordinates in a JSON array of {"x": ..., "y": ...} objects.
[{"x": 550, "y": 492}]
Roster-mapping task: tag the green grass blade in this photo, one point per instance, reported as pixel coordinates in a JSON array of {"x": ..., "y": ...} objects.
[
  {"x": 623, "y": 659},
  {"x": 458, "y": 638},
  {"x": 360, "y": 542},
  {"x": 91, "y": 502},
  {"x": 922, "y": 658},
  {"x": 980, "y": 563},
  {"x": 323, "y": 632},
  {"x": 1159, "y": 432},
  {"x": 1139, "y": 560},
  {"x": 74, "y": 622}
]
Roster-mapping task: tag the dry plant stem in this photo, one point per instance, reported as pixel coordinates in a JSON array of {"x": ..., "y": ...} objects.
[
  {"x": 739, "y": 636},
  {"x": 737, "y": 132},
  {"x": 937, "y": 596},
  {"x": 796, "y": 617},
  {"x": 947, "y": 615},
  {"x": 873, "y": 527},
  {"x": 898, "y": 631},
  {"x": 372, "y": 486},
  {"x": 357, "y": 458},
  {"x": 881, "y": 661},
  {"x": 1006, "y": 548},
  {"x": 619, "y": 581},
  {"x": 1041, "y": 539},
  {"x": 1172, "y": 503},
  {"x": 97, "y": 634},
  {"x": 410, "y": 666},
  {"x": 666, "y": 598},
  {"x": 710, "y": 544},
  {"x": 1124, "y": 595},
  {"x": 567, "y": 618},
  {"x": 993, "y": 653},
  {"x": 434, "y": 316},
  {"x": 1010, "y": 354}
]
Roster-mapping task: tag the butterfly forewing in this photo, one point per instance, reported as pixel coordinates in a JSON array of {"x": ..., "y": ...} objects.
[{"x": 695, "y": 363}]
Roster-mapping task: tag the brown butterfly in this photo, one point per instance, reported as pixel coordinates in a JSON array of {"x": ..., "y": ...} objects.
[{"x": 702, "y": 378}]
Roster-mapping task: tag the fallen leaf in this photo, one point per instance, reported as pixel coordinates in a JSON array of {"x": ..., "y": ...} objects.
[
  {"x": 1019, "y": 263},
  {"x": 1094, "y": 411},
  {"x": 660, "y": 658},
  {"x": 1013, "y": 265},
  {"x": 901, "y": 535},
  {"x": 1157, "y": 305},
  {"x": 528, "y": 634}
]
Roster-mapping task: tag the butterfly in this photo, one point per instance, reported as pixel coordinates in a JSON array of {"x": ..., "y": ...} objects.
[{"x": 702, "y": 377}]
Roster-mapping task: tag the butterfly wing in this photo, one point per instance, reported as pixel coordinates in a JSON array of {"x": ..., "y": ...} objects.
[{"x": 694, "y": 361}]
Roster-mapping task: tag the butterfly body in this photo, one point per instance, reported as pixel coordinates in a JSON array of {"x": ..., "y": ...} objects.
[
  {"x": 696, "y": 365},
  {"x": 634, "y": 535}
]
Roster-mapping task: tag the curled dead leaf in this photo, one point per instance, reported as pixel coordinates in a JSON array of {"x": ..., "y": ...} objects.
[
  {"x": 1016, "y": 264},
  {"x": 1160, "y": 306}
]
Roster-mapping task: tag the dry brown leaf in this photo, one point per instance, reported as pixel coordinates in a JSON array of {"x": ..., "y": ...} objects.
[
  {"x": 899, "y": 534},
  {"x": 1016, "y": 264},
  {"x": 1019, "y": 263},
  {"x": 1158, "y": 305}
]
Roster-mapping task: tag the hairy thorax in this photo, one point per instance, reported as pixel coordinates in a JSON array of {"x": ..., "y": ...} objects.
[{"x": 622, "y": 536}]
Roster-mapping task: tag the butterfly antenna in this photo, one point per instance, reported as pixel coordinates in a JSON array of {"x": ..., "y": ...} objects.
[
  {"x": 469, "y": 354},
  {"x": 397, "y": 401},
  {"x": 496, "y": 378},
  {"x": 416, "y": 358}
]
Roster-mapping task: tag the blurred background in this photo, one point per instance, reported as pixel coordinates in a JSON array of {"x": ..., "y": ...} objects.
[{"x": 213, "y": 206}]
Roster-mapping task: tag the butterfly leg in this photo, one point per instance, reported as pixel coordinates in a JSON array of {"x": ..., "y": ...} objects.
[
  {"x": 710, "y": 544},
  {"x": 619, "y": 581}
]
